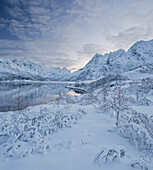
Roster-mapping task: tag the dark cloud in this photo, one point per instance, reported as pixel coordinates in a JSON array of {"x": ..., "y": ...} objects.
[{"x": 32, "y": 19}]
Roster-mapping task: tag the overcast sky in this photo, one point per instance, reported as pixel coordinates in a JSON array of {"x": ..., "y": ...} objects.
[{"x": 67, "y": 33}]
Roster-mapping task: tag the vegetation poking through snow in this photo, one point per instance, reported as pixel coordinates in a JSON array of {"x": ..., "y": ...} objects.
[
  {"x": 110, "y": 154},
  {"x": 28, "y": 131}
]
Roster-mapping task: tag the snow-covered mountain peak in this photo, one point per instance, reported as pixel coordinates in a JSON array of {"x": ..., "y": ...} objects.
[
  {"x": 140, "y": 54},
  {"x": 118, "y": 52},
  {"x": 142, "y": 44},
  {"x": 142, "y": 47},
  {"x": 65, "y": 70},
  {"x": 23, "y": 68}
]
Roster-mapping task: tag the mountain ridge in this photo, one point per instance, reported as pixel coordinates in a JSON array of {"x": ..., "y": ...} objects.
[
  {"x": 140, "y": 54},
  {"x": 120, "y": 61},
  {"x": 22, "y": 68}
]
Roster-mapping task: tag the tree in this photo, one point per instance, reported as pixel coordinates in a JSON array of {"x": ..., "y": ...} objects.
[{"x": 118, "y": 103}]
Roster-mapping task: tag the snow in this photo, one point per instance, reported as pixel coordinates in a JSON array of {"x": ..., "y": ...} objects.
[
  {"x": 144, "y": 109},
  {"x": 108, "y": 127},
  {"x": 120, "y": 61},
  {"x": 76, "y": 148},
  {"x": 117, "y": 62},
  {"x": 22, "y": 68},
  {"x": 73, "y": 131},
  {"x": 139, "y": 73}
]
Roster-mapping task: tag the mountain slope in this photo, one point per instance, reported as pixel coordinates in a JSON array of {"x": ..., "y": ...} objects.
[
  {"x": 140, "y": 54},
  {"x": 21, "y": 69},
  {"x": 120, "y": 61}
]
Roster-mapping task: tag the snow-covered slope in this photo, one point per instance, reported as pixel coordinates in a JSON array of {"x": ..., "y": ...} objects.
[
  {"x": 12, "y": 69},
  {"x": 140, "y": 54}
]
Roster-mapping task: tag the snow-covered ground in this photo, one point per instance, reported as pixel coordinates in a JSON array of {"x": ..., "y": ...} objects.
[
  {"x": 76, "y": 147},
  {"x": 79, "y": 132},
  {"x": 108, "y": 127}
]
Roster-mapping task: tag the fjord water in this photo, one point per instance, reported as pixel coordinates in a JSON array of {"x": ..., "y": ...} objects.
[{"x": 19, "y": 95}]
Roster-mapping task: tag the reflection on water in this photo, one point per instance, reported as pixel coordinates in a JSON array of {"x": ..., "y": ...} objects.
[{"x": 17, "y": 95}]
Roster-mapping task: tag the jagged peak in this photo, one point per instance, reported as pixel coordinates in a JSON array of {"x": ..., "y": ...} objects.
[
  {"x": 140, "y": 54},
  {"x": 65, "y": 69},
  {"x": 26, "y": 68},
  {"x": 141, "y": 44}
]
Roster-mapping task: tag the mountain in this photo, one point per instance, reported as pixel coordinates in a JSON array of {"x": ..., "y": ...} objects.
[
  {"x": 120, "y": 61},
  {"x": 24, "y": 69},
  {"x": 140, "y": 54}
]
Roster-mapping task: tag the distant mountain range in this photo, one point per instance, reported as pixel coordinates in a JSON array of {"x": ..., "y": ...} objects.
[
  {"x": 139, "y": 55},
  {"x": 23, "y": 69}
]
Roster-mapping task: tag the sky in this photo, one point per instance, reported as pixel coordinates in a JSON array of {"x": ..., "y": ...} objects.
[{"x": 68, "y": 33}]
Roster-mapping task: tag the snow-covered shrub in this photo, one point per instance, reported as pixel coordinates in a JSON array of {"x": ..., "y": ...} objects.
[
  {"x": 110, "y": 154},
  {"x": 147, "y": 84},
  {"x": 29, "y": 132},
  {"x": 139, "y": 165},
  {"x": 143, "y": 163},
  {"x": 137, "y": 128}
]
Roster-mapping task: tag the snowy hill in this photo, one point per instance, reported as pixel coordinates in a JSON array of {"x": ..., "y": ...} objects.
[
  {"x": 140, "y": 54},
  {"x": 19, "y": 69}
]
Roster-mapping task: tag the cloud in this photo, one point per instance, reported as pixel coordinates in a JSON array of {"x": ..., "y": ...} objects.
[
  {"x": 128, "y": 36},
  {"x": 140, "y": 28},
  {"x": 89, "y": 50},
  {"x": 42, "y": 52},
  {"x": 58, "y": 62},
  {"x": 88, "y": 11},
  {"x": 32, "y": 19},
  {"x": 70, "y": 32}
]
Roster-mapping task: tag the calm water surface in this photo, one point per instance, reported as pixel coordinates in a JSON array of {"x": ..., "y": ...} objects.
[{"x": 18, "y": 95}]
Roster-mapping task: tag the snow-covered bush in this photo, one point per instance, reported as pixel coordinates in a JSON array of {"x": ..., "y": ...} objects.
[
  {"x": 110, "y": 154},
  {"x": 147, "y": 85},
  {"x": 137, "y": 128},
  {"x": 29, "y": 132},
  {"x": 143, "y": 163}
]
